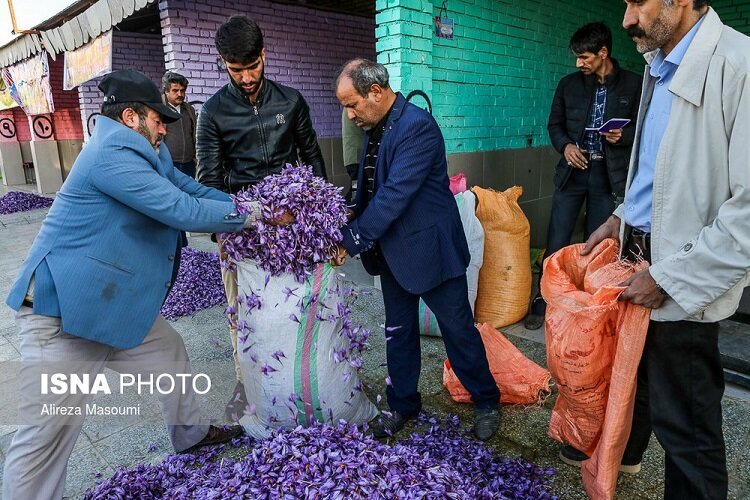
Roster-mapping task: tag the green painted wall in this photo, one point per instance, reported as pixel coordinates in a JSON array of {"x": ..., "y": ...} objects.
[
  {"x": 735, "y": 13},
  {"x": 492, "y": 86}
]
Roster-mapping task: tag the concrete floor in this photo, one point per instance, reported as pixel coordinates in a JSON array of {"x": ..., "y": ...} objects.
[{"x": 102, "y": 447}]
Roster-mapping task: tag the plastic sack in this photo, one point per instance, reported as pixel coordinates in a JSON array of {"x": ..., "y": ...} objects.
[
  {"x": 520, "y": 380},
  {"x": 458, "y": 183},
  {"x": 466, "y": 202},
  {"x": 294, "y": 353},
  {"x": 505, "y": 276},
  {"x": 594, "y": 345}
]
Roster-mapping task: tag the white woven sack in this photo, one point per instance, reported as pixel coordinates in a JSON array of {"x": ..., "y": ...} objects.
[
  {"x": 466, "y": 202},
  {"x": 290, "y": 352}
]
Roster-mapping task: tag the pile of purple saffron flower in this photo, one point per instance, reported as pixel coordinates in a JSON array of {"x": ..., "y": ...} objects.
[
  {"x": 198, "y": 285},
  {"x": 319, "y": 212},
  {"x": 324, "y": 461},
  {"x": 18, "y": 201}
]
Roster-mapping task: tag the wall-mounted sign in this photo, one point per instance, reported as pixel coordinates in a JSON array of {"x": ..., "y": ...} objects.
[
  {"x": 91, "y": 123},
  {"x": 444, "y": 27},
  {"x": 88, "y": 61},
  {"x": 6, "y": 100},
  {"x": 7, "y": 128},
  {"x": 42, "y": 127},
  {"x": 28, "y": 84},
  {"x": 443, "y": 24}
]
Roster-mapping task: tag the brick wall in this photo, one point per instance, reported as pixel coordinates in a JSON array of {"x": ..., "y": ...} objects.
[
  {"x": 67, "y": 116},
  {"x": 23, "y": 133},
  {"x": 491, "y": 86},
  {"x": 139, "y": 51},
  {"x": 735, "y": 13},
  {"x": 304, "y": 48}
]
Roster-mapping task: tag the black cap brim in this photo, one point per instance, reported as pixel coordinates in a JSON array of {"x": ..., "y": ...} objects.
[{"x": 168, "y": 115}]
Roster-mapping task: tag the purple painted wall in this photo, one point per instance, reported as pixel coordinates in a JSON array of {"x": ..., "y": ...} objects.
[
  {"x": 304, "y": 48},
  {"x": 139, "y": 51}
]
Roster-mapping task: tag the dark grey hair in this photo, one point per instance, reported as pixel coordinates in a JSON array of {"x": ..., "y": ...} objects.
[
  {"x": 364, "y": 74},
  {"x": 697, "y": 4},
  {"x": 171, "y": 77},
  {"x": 114, "y": 110}
]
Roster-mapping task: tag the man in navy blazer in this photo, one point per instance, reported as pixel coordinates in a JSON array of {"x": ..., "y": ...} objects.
[
  {"x": 89, "y": 292},
  {"x": 407, "y": 227}
]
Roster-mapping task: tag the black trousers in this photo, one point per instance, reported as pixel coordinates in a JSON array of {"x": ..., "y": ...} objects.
[
  {"x": 590, "y": 186},
  {"x": 680, "y": 386},
  {"x": 463, "y": 344}
]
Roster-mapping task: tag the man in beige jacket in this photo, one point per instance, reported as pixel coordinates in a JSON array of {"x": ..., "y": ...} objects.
[{"x": 686, "y": 212}]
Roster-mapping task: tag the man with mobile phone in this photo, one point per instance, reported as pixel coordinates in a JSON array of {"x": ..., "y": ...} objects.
[{"x": 593, "y": 164}]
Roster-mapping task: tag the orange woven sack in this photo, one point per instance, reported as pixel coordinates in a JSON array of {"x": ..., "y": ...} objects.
[
  {"x": 594, "y": 345},
  {"x": 520, "y": 380},
  {"x": 505, "y": 277}
]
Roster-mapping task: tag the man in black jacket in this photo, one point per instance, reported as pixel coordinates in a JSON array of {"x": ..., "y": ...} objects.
[
  {"x": 594, "y": 165},
  {"x": 248, "y": 130}
]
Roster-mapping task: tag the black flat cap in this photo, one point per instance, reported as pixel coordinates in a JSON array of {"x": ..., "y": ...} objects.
[{"x": 129, "y": 85}]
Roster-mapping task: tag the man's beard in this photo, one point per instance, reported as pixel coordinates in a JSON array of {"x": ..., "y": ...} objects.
[
  {"x": 145, "y": 132},
  {"x": 658, "y": 36},
  {"x": 258, "y": 84}
]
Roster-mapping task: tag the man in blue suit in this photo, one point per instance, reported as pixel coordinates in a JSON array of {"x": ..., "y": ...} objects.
[
  {"x": 89, "y": 292},
  {"x": 407, "y": 227}
]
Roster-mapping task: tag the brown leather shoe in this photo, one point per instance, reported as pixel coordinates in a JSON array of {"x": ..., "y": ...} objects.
[{"x": 217, "y": 435}]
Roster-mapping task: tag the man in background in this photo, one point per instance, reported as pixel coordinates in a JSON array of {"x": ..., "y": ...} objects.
[
  {"x": 593, "y": 165},
  {"x": 352, "y": 138},
  {"x": 180, "y": 138}
]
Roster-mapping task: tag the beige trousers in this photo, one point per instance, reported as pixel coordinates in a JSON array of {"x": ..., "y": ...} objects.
[
  {"x": 230, "y": 288},
  {"x": 38, "y": 456}
]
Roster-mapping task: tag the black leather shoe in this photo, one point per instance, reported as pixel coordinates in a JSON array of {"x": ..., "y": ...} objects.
[
  {"x": 574, "y": 457},
  {"x": 535, "y": 319},
  {"x": 486, "y": 423},
  {"x": 237, "y": 403},
  {"x": 216, "y": 435},
  {"x": 387, "y": 425}
]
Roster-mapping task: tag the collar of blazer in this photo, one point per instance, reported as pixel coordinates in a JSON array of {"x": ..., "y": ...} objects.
[
  {"x": 111, "y": 130},
  {"x": 396, "y": 110}
]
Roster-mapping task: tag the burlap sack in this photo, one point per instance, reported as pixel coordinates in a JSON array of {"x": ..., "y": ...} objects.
[{"x": 505, "y": 276}]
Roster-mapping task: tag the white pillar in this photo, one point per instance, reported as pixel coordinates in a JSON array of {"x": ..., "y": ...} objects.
[
  {"x": 11, "y": 164},
  {"x": 45, "y": 154}
]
